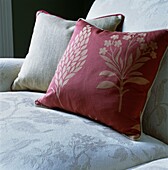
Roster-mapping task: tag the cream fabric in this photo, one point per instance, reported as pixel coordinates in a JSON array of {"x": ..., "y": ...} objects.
[
  {"x": 145, "y": 15},
  {"x": 49, "y": 41},
  {"x": 35, "y": 138},
  {"x": 161, "y": 164},
  {"x": 140, "y": 15},
  {"x": 155, "y": 119},
  {"x": 9, "y": 69}
]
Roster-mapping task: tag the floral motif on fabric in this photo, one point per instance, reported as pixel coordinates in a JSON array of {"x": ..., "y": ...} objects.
[{"x": 125, "y": 69}]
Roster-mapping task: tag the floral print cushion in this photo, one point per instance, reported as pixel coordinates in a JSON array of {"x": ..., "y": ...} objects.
[
  {"x": 33, "y": 138},
  {"x": 145, "y": 15},
  {"x": 106, "y": 76}
]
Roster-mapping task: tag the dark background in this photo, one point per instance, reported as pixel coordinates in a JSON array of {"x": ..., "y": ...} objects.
[{"x": 24, "y": 12}]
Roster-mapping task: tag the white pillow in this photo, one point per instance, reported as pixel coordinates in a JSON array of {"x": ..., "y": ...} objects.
[{"x": 50, "y": 38}]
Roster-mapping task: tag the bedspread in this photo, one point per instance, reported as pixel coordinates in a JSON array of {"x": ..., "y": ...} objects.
[{"x": 32, "y": 138}]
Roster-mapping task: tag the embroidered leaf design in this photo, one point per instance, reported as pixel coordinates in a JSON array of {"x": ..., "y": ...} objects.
[
  {"x": 125, "y": 68},
  {"x": 113, "y": 68},
  {"x": 105, "y": 85},
  {"x": 137, "y": 80},
  {"x": 73, "y": 59},
  {"x": 108, "y": 60},
  {"x": 136, "y": 73},
  {"x": 144, "y": 59},
  {"x": 129, "y": 62},
  {"x": 138, "y": 53},
  {"x": 121, "y": 63},
  {"x": 107, "y": 73},
  {"x": 137, "y": 66},
  {"x": 118, "y": 55}
]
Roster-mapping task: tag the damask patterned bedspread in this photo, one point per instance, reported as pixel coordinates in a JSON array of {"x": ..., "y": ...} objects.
[{"x": 35, "y": 138}]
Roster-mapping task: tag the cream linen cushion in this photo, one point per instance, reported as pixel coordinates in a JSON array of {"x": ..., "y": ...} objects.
[
  {"x": 155, "y": 119},
  {"x": 49, "y": 41}
]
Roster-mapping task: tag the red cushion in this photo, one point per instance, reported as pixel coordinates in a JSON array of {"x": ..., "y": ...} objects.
[{"x": 106, "y": 76}]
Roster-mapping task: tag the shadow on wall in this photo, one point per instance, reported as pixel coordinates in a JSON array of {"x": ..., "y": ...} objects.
[{"x": 24, "y": 17}]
